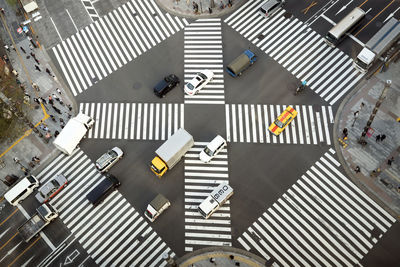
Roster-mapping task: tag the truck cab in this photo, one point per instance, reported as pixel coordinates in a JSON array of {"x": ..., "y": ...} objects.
[{"x": 158, "y": 166}]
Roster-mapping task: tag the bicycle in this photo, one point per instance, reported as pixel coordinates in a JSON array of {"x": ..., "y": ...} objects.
[{"x": 300, "y": 87}]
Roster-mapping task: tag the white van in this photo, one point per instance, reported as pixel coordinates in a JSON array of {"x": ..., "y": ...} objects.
[
  {"x": 216, "y": 199},
  {"x": 21, "y": 190}
]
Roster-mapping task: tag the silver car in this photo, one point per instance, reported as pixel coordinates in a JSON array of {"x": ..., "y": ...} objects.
[
  {"x": 51, "y": 188},
  {"x": 108, "y": 159},
  {"x": 270, "y": 7}
]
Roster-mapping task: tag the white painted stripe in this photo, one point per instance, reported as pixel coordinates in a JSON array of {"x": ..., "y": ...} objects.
[
  {"x": 272, "y": 113},
  {"x": 163, "y": 121},
  {"x": 182, "y": 116},
  {"x": 312, "y": 122},
  {"x": 241, "y": 138},
  {"x": 253, "y": 123},
  {"x": 260, "y": 124},
  {"x": 133, "y": 117},
  {"x": 169, "y": 120},
  {"x": 151, "y": 119},
  {"x": 129, "y": 20},
  {"x": 266, "y": 125},
  {"x": 320, "y": 133},
  {"x": 139, "y": 121},
  {"x": 176, "y": 126},
  {"x": 106, "y": 43},
  {"x": 278, "y": 111},
  {"x": 228, "y": 128},
  {"x": 287, "y": 130},
  {"x": 114, "y": 130},
  {"x": 307, "y": 134},
  {"x": 97, "y": 119},
  {"x": 126, "y": 125},
  {"x": 144, "y": 135},
  {"x": 328, "y": 138}
]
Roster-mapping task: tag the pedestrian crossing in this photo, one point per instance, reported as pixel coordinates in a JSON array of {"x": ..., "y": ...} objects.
[
  {"x": 322, "y": 220},
  {"x": 203, "y": 50},
  {"x": 200, "y": 180},
  {"x": 92, "y": 12},
  {"x": 250, "y": 122},
  {"x": 112, "y": 41},
  {"x": 298, "y": 48},
  {"x": 113, "y": 233},
  {"x": 139, "y": 121}
]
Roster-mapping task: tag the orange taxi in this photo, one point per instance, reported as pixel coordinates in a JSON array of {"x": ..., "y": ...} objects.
[{"x": 282, "y": 121}]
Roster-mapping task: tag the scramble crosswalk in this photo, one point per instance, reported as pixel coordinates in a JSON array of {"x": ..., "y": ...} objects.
[
  {"x": 139, "y": 121},
  {"x": 298, "y": 48},
  {"x": 113, "y": 233},
  {"x": 101, "y": 48},
  {"x": 250, "y": 122},
  {"x": 200, "y": 180},
  {"x": 203, "y": 50},
  {"x": 322, "y": 220}
]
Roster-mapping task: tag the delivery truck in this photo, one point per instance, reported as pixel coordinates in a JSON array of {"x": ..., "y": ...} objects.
[
  {"x": 73, "y": 132},
  {"x": 241, "y": 63},
  {"x": 378, "y": 45},
  {"x": 43, "y": 216},
  {"x": 215, "y": 200},
  {"x": 171, "y": 152},
  {"x": 156, "y": 207}
]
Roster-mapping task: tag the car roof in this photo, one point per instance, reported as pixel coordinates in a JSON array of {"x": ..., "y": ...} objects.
[{"x": 216, "y": 142}]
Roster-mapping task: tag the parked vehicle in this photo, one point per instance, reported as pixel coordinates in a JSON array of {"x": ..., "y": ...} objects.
[
  {"x": 73, "y": 132},
  {"x": 241, "y": 63},
  {"x": 270, "y": 7},
  {"x": 215, "y": 200},
  {"x": 9, "y": 180},
  {"x": 198, "y": 82},
  {"x": 212, "y": 149},
  {"x": 108, "y": 159},
  {"x": 282, "y": 121},
  {"x": 21, "y": 190},
  {"x": 33, "y": 226},
  {"x": 171, "y": 152},
  {"x": 103, "y": 189},
  {"x": 51, "y": 188},
  {"x": 346, "y": 25},
  {"x": 156, "y": 207},
  {"x": 166, "y": 85},
  {"x": 378, "y": 45}
]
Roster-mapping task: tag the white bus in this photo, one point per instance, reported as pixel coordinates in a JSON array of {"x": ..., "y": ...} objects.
[
  {"x": 21, "y": 190},
  {"x": 339, "y": 31}
]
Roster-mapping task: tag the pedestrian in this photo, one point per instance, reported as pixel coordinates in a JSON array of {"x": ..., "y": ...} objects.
[
  {"x": 15, "y": 72},
  {"x": 55, "y": 97},
  {"x": 231, "y": 257},
  {"x": 230, "y": 3},
  {"x": 7, "y": 48},
  {"x": 16, "y": 160},
  {"x": 51, "y": 102},
  {"x": 356, "y": 113},
  {"x": 36, "y": 100},
  {"x": 383, "y": 137},
  {"x": 221, "y": 5},
  {"x": 43, "y": 100},
  {"x": 357, "y": 169},
  {"x": 31, "y": 47},
  {"x": 378, "y": 138},
  {"x": 58, "y": 111},
  {"x": 12, "y": 47},
  {"x": 69, "y": 107},
  {"x": 389, "y": 161},
  {"x": 48, "y": 71},
  {"x": 2, "y": 10},
  {"x": 56, "y": 133},
  {"x": 36, "y": 159},
  {"x": 209, "y": 10},
  {"x": 212, "y": 260},
  {"x": 345, "y": 133},
  {"x": 58, "y": 90},
  {"x": 37, "y": 68},
  {"x": 45, "y": 128},
  {"x": 53, "y": 118},
  {"x": 69, "y": 116},
  {"x": 48, "y": 135},
  {"x": 22, "y": 49},
  {"x": 62, "y": 124},
  {"x": 61, "y": 119},
  {"x": 41, "y": 126},
  {"x": 37, "y": 61},
  {"x": 33, "y": 55}
]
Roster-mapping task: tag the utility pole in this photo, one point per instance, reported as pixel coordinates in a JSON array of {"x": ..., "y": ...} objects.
[{"x": 374, "y": 111}]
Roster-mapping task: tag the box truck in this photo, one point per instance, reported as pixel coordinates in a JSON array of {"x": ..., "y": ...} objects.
[
  {"x": 156, "y": 207},
  {"x": 215, "y": 200},
  {"x": 171, "y": 152},
  {"x": 73, "y": 132},
  {"x": 378, "y": 45}
]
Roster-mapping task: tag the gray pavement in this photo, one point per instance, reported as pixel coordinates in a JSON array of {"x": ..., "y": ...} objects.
[
  {"x": 186, "y": 9},
  {"x": 385, "y": 186},
  {"x": 32, "y": 145}
]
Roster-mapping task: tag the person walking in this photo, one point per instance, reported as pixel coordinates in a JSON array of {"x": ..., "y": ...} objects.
[
  {"x": 7, "y": 48},
  {"x": 22, "y": 49},
  {"x": 378, "y": 138},
  {"x": 357, "y": 169},
  {"x": 383, "y": 137},
  {"x": 69, "y": 107},
  {"x": 58, "y": 90},
  {"x": 37, "y": 61},
  {"x": 37, "y": 68},
  {"x": 389, "y": 161},
  {"x": 48, "y": 71},
  {"x": 56, "y": 133}
]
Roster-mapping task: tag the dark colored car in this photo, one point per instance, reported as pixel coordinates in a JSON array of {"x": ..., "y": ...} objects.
[
  {"x": 166, "y": 85},
  {"x": 9, "y": 180},
  {"x": 103, "y": 189}
]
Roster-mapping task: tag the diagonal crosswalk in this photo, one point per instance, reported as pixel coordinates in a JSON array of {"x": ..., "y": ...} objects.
[
  {"x": 250, "y": 122},
  {"x": 139, "y": 121},
  {"x": 203, "y": 50},
  {"x": 322, "y": 220},
  {"x": 113, "y": 233},
  {"x": 200, "y": 180},
  {"x": 112, "y": 41},
  {"x": 298, "y": 48}
]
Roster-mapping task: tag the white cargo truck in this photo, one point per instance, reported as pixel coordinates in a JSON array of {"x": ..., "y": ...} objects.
[
  {"x": 171, "y": 152},
  {"x": 73, "y": 132},
  {"x": 216, "y": 199},
  {"x": 156, "y": 207},
  {"x": 378, "y": 45},
  {"x": 43, "y": 216}
]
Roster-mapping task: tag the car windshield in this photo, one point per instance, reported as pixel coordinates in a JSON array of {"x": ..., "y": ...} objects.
[
  {"x": 41, "y": 194},
  {"x": 190, "y": 86},
  {"x": 208, "y": 151},
  {"x": 202, "y": 76},
  {"x": 112, "y": 154},
  {"x": 279, "y": 123},
  {"x": 55, "y": 183}
]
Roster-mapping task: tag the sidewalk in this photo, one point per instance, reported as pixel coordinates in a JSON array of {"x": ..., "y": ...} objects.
[
  {"x": 34, "y": 144},
  {"x": 385, "y": 186},
  {"x": 185, "y": 8}
]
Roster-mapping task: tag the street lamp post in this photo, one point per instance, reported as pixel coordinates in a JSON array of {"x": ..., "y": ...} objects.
[{"x": 374, "y": 112}]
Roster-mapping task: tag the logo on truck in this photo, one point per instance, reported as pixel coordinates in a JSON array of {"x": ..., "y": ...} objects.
[{"x": 220, "y": 192}]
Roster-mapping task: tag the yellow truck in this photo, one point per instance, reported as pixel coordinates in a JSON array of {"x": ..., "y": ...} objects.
[{"x": 171, "y": 152}]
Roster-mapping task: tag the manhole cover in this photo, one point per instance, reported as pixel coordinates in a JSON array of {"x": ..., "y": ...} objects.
[
  {"x": 261, "y": 36},
  {"x": 137, "y": 85},
  {"x": 287, "y": 15}
]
